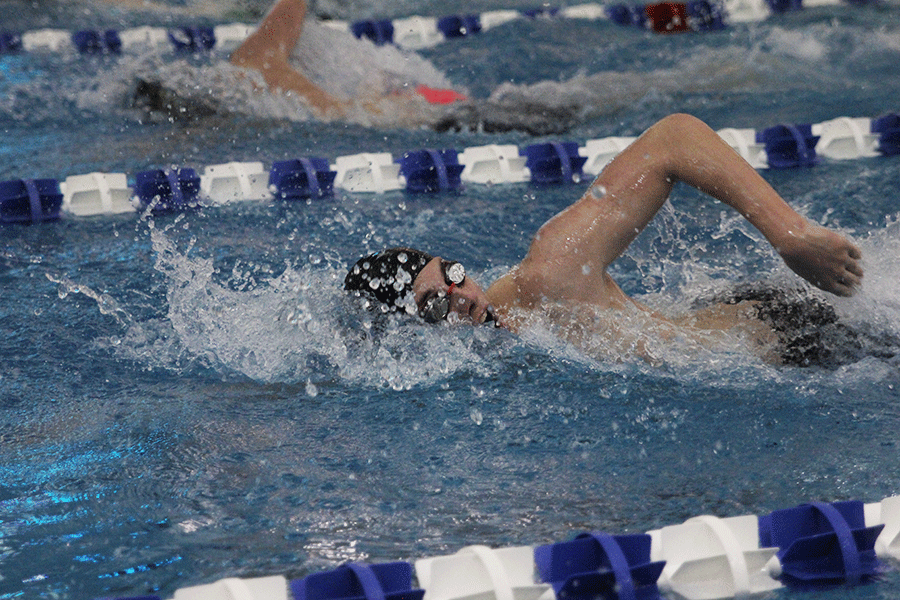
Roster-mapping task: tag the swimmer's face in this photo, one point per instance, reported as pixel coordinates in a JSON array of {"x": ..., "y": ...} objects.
[{"x": 435, "y": 285}]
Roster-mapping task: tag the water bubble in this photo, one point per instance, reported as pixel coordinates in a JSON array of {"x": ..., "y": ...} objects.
[{"x": 476, "y": 416}]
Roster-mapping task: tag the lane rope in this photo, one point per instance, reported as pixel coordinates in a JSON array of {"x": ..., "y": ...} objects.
[
  {"x": 430, "y": 170},
  {"x": 711, "y": 557},
  {"x": 414, "y": 32}
]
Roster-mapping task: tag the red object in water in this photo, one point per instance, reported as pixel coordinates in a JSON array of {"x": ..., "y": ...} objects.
[
  {"x": 668, "y": 17},
  {"x": 439, "y": 96}
]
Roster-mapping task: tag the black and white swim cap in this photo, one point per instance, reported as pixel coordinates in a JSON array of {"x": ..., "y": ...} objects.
[{"x": 388, "y": 276}]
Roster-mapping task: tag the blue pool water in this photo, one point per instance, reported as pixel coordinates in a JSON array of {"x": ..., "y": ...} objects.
[{"x": 189, "y": 397}]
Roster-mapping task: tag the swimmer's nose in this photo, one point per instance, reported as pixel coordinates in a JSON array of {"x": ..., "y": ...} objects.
[
  {"x": 463, "y": 302},
  {"x": 460, "y": 303}
]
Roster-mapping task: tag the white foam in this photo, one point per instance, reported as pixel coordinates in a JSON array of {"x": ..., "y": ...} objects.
[{"x": 350, "y": 67}]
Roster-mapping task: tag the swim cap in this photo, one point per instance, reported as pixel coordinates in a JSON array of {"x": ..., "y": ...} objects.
[{"x": 388, "y": 276}]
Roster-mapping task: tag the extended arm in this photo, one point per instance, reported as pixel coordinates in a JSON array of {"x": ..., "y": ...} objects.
[
  {"x": 569, "y": 256},
  {"x": 269, "y": 48}
]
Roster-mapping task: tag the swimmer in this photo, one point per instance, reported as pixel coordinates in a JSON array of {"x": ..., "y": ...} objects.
[
  {"x": 270, "y": 49},
  {"x": 339, "y": 77},
  {"x": 415, "y": 94},
  {"x": 566, "y": 267}
]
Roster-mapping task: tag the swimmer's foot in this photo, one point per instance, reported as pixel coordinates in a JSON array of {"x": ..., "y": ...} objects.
[{"x": 825, "y": 258}]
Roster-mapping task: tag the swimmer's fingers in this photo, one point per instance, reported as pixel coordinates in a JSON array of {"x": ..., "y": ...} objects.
[
  {"x": 851, "y": 279},
  {"x": 842, "y": 288},
  {"x": 854, "y": 273},
  {"x": 839, "y": 287},
  {"x": 826, "y": 259},
  {"x": 843, "y": 283},
  {"x": 846, "y": 282}
]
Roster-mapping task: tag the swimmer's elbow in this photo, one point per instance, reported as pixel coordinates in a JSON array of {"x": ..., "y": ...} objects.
[{"x": 680, "y": 123}]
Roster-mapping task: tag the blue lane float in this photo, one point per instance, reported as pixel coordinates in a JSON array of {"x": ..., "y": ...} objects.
[
  {"x": 627, "y": 15},
  {"x": 548, "y": 12},
  {"x": 818, "y": 545},
  {"x": 789, "y": 146},
  {"x": 455, "y": 26},
  {"x": 888, "y": 129},
  {"x": 444, "y": 170},
  {"x": 10, "y": 42},
  {"x": 783, "y": 6},
  {"x": 823, "y": 544},
  {"x": 359, "y": 581},
  {"x": 554, "y": 162},
  {"x": 30, "y": 200},
  {"x": 431, "y": 171},
  {"x": 600, "y": 565},
  {"x": 378, "y": 32},
  {"x": 97, "y": 42},
  {"x": 167, "y": 190},
  {"x": 192, "y": 39},
  {"x": 302, "y": 178},
  {"x": 706, "y": 16}
]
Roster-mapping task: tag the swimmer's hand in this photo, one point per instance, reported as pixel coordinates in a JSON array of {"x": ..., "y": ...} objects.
[{"x": 824, "y": 258}]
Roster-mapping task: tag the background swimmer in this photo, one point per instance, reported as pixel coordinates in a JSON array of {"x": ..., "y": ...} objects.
[
  {"x": 339, "y": 77},
  {"x": 328, "y": 74},
  {"x": 272, "y": 49}
]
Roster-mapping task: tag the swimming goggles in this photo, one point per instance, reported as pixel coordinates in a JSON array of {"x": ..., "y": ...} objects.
[{"x": 437, "y": 307}]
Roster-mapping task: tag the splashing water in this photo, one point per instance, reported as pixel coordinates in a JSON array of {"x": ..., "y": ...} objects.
[
  {"x": 299, "y": 327},
  {"x": 294, "y": 327}
]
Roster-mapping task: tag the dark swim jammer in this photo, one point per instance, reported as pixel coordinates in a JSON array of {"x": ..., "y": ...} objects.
[{"x": 809, "y": 329}]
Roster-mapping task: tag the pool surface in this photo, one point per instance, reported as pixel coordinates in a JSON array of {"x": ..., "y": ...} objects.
[{"x": 187, "y": 397}]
